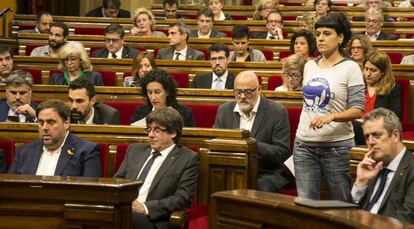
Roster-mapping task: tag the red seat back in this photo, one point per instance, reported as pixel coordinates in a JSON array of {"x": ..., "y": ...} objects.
[
  {"x": 203, "y": 115},
  {"x": 108, "y": 77},
  {"x": 274, "y": 82},
  {"x": 8, "y": 147},
  {"x": 119, "y": 156},
  {"x": 36, "y": 75},
  {"x": 285, "y": 54},
  {"x": 93, "y": 49},
  {"x": 90, "y": 31},
  {"x": 294, "y": 116},
  {"x": 405, "y": 93},
  {"x": 103, "y": 156},
  {"x": 268, "y": 54},
  {"x": 30, "y": 47},
  {"x": 239, "y": 17},
  {"x": 395, "y": 57},
  {"x": 126, "y": 110},
  {"x": 181, "y": 78}
]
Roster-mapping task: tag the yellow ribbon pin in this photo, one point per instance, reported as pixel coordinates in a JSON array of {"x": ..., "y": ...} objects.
[{"x": 69, "y": 152}]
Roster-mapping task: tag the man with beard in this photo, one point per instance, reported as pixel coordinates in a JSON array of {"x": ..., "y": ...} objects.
[
  {"x": 205, "y": 22},
  {"x": 44, "y": 20},
  {"x": 17, "y": 106},
  {"x": 57, "y": 37},
  {"x": 220, "y": 78},
  {"x": 6, "y": 62},
  {"x": 178, "y": 34},
  {"x": 114, "y": 44},
  {"x": 57, "y": 152},
  {"x": 85, "y": 109},
  {"x": 268, "y": 124}
]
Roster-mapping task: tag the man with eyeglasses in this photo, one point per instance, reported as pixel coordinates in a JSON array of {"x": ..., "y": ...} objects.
[
  {"x": 274, "y": 26},
  {"x": 220, "y": 77},
  {"x": 374, "y": 19},
  {"x": 168, "y": 170},
  {"x": 268, "y": 124},
  {"x": 114, "y": 44},
  {"x": 58, "y": 35},
  {"x": 205, "y": 22}
]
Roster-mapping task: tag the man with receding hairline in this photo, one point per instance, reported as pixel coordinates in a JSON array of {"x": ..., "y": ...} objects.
[{"x": 268, "y": 124}]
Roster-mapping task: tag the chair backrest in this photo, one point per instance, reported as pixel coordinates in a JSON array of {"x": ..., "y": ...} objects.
[
  {"x": 108, "y": 77},
  {"x": 36, "y": 75},
  {"x": 294, "y": 116},
  {"x": 126, "y": 110},
  {"x": 93, "y": 49},
  {"x": 30, "y": 47},
  {"x": 268, "y": 54},
  {"x": 90, "y": 31},
  {"x": 274, "y": 82},
  {"x": 395, "y": 57},
  {"x": 119, "y": 156},
  {"x": 8, "y": 147},
  {"x": 405, "y": 93},
  {"x": 103, "y": 156},
  {"x": 284, "y": 54},
  {"x": 204, "y": 115},
  {"x": 181, "y": 78}
]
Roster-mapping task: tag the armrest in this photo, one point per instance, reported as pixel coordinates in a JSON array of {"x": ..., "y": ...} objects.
[{"x": 179, "y": 218}]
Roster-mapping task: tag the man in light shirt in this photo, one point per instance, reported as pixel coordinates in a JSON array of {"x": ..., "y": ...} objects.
[
  {"x": 168, "y": 170},
  {"x": 385, "y": 177},
  {"x": 58, "y": 35},
  {"x": 205, "y": 22},
  {"x": 43, "y": 22},
  {"x": 268, "y": 124},
  {"x": 374, "y": 20},
  {"x": 57, "y": 152}
]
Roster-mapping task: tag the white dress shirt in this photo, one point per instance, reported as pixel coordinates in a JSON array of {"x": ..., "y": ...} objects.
[
  {"x": 246, "y": 123},
  {"x": 203, "y": 36},
  {"x": 90, "y": 119},
  {"x": 118, "y": 54},
  {"x": 22, "y": 118},
  {"x": 183, "y": 53},
  {"x": 223, "y": 80},
  {"x": 48, "y": 160},
  {"x": 373, "y": 37}
]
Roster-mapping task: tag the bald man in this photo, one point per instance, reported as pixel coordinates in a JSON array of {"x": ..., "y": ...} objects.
[{"x": 267, "y": 122}]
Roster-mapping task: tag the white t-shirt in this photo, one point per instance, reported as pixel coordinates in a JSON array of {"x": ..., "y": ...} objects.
[{"x": 325, "y": 91}]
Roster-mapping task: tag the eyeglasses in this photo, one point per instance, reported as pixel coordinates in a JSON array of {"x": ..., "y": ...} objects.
[
  {"x": 156, "y": 130},
  {"x": 113, "y": 40},
  {"x": 375, "y": 21},
  {"x": 219, "y": 59},
  {"x": 246, "y": 92},
  {"x": 70, "y": 59},
  {"x": 356, "y": 48},
  {"x": 274, "y": 21},
  {"x": 293, "y": 75}
]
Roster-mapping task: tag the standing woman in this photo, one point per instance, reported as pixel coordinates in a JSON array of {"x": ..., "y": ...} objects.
[{"x": 333, "y": 94}]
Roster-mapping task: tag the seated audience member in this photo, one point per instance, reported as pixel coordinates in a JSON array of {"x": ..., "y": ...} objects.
[
  {"x": 384, "y": 180},
  {"x": 263, "y": 8},
  {"x": 85, "y": 109},
  {"x": 178, "y": 34},
  {"x": 303, "y": 43},
  {"x": 3, "y": 166},
  {"x": 205, "y": 24},
  {"x": 43, "y": 22},
  {"x": 74, "y": 62},
  {"x": 58, "y": 35},
  {"x": 143, "y": 63},
  {"x": 220, "y": 77},
  {"x": 6, "y": 62},
  {"x": 322, "y": 7},
  {"x": 164, "y": 164},
  {"x": 360, "y": 45},
  {"x": 268, "y": 124},
  {"x": 293, "y": 73},
  {"x": 309, "y": 3},
  {"x": 374, "y": 4},
  {"x": 405, "y": 60},
  {"x": 159, "y": 90},
  {"x": 380, "y": 88},
  {"x": 109, "y": 8},
  {"x": 374, "y": 19},
  {"x": 407, "y": 3},
  {"x": 114, "y": 44},
  {"x": 171, "y": 9},
  {"x": 144, "y": 24},
  {"x": 307, "y": 21},
  {"x": 17, "y": 106},
  {"x": 217, "y": 7},
  {"x": 274, "y": 26},
  {"x": 57, "y": 152},
  {"x": 242, "y": 52}
]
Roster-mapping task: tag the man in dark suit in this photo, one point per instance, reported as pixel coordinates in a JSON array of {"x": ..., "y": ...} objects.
[
  {"x": 274, "y": 26},
  {"x": 205, "y": 22},
  {"x": 43, "y": 22},
  {"x": 114, "y": 43},
  {"x": 178, "y": 34},
  {"x": 85, "y": 109},
  {"x": 220, "y": 78},
  {"x": 57, "y": 152},
  {"x": 374, "y": 19},
  {"x": 168, "y": 170},
  {"x": 109, "y": 8},
  {"x": 6, "y": 62},
  {"x": 171, "y": 9},
  {"x": 17, "y": 106},
  {"x": 268, "y": 124},
  {"x": 385, "y": 177}
]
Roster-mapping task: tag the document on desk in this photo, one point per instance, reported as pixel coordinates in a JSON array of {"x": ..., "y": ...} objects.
[{"x": 324, "y": 203}]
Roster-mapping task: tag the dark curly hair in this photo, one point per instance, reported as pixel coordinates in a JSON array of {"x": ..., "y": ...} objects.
[
  {"x": 310, "y": 38},
  {"x": 160, "y": 76}
]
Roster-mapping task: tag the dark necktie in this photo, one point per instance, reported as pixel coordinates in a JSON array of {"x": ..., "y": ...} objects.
[
  {"x": 114, "y": 56},
  {"x": 272, "y": 37},
  {"x": 383, "y": 175},
  {"x": 147, "y": 166},
  {"x": 177, "y": 54}
]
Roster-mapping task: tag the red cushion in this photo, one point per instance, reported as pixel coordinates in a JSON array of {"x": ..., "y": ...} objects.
[
  {"x": 30, "y": 47},
  {"x": 395, "y": 57},
  {"x": 289, "y": 18},
  {"x": 198, "y": 216},
  {"x": 93, "y": 49},
  {"x": 36, "y": 75},
  {"x": 405, "y": 90},
  {"x": 108, "y": 77},
  {"x": 228, "y": 33},
  {"x": 103, "y": 156},
  {"x": 239, "y": 17},
  {"x": 294, "y": 116},
  {"x": 8, "y": 147},
  {"x": 181, "y": 78},
  {"x": 268, "y": 54},
  {"x": 90, "y": 31},
  {"x": 285, "y": 54},
  {"x": 119, "y": 156},
  {"x": 274, "y": 82},
  {"x": 126, "y": 110},
  {"x": 204, "y": 115},
  {"x": 408, "y": 135}
]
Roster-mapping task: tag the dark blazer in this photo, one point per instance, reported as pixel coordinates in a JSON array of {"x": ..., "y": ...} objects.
[
  {"x": 59, "y": 79},
  {"x": 271, "y": 131},
  {"x": 168, "y": 53},
  {"x": 98, "y": 13},
  {"x": 398, "y": 201},
  {"x": 391, "y": 101},
  {"x": 127, "y": 52},
  {"x": 173, "y": 185},
  {"x": 4, "y": 110},
  {"x": 79, "y": 157},
  {"x": 205, "y": 80},
  {"x": 104, "y": 114},
  {"x": 3, "y": 166},
  {"x": 213, "y": 34},
  {"x": 258, "y": 35},
  {"x": 185, "y": 112},
  {"x": 384, "y": 36}
]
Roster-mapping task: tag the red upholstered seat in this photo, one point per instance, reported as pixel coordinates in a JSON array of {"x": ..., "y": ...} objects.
[
  {"x": 294, "y": 116},
  {"x": 285, "y": 54},
  {"x": 239, "y": 17},
  {"x": 30, "y": 47},
  {"x": 126, "y": 110},
  {"x": 24, "y": 27},
  {"x": 228, "y": 33},
  {"x": 119, "y": 156},
  {"x": 268, "y": 54},
  {"x": 274, "y": 82},
  {"x": 289, "y": 18},
  {"x": 103, "y": 156},
  {"x": 90, "y": 31},
  {"x": 204, "y": 115},
  {"x": 8, "y": 147},
  {"x": 395, "y": 57},
  {"x": 108, "y": 77},
  {"x": 181, "y": 78},
  {"x": 36, "y": 75},
  {"x": 93, "y": 49}
]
